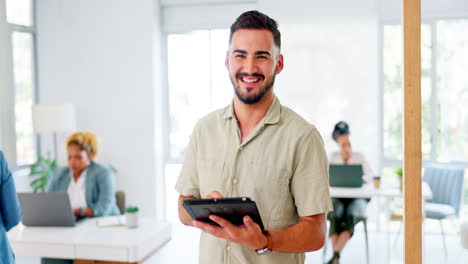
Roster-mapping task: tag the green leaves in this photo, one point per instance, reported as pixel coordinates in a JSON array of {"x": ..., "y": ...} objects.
[
  {"x": 40, "y": 173},
  {"x": 132, "y": 209},
  {"x": 399, "y": 172}
]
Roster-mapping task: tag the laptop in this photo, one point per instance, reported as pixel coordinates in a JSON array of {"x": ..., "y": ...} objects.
[
  {"x": 46, "y": 209},
  {"x": 349, "y": 176}
]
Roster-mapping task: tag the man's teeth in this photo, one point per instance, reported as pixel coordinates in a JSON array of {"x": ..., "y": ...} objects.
[{"x": 250, "y": 80}]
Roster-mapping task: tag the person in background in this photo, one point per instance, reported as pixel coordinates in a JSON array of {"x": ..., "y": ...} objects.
[
  {"x": 10, "y": 210},
  {"x": 89, "y": 184},
  {"x": 347, "y": 211}
]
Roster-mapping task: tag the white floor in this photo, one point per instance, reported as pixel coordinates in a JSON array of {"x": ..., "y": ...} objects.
[{"x": 183, "y": 248}]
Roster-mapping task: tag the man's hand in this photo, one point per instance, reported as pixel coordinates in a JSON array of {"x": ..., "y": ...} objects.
[
  {"x": 184, "y": 217},
  {"x": 214, "y": 194},
  {"x": 248, "y": 235}
]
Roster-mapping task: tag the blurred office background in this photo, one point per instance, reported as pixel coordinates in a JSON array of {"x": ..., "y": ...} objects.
[{"x": 141, "y": 73}]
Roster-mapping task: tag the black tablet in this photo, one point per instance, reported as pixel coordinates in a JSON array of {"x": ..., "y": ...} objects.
[{"x": 231, "y": 209}]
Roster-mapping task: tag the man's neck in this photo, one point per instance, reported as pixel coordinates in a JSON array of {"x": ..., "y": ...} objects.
[{"x": 248, "y": 115}]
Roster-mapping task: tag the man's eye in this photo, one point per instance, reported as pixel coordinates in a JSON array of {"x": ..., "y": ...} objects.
[
  {"x": 261, "y": 57},
  {"x": 240, "y": 56}
]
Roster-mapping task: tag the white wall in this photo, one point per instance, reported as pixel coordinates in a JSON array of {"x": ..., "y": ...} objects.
[{"x": 98, "y": 55}]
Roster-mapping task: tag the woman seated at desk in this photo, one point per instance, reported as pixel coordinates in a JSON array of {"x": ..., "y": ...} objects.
[
  {"x": 89, "y": 184},
  {"x": 347, "y": 211}
]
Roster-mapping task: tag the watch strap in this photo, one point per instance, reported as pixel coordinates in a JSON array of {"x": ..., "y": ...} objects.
[
  {"x": 268, "y": 236},
  {"x": 267, "y": 248}
]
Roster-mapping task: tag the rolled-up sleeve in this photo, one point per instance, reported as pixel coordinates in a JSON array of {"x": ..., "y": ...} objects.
[
  {"x": 188, "y": 182},
  {"x": 309, "y": 183}
]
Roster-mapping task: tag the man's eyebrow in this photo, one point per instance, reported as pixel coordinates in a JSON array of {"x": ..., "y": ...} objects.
[
  {"x": 262, "y": 52},
  {"x": 239, "y": 51}
]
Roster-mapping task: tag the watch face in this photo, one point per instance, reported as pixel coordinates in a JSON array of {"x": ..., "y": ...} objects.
[{"x": 262, "y": 251}]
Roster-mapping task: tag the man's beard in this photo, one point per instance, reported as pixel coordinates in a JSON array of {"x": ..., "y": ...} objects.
[{"x": 259, "y": 96}]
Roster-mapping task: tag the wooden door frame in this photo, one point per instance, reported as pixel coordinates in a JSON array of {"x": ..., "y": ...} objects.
[{"x": 412, "y": 161}]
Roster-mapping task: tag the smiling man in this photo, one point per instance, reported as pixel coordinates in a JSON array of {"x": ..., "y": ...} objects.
[{"x": 260, "y": 149}]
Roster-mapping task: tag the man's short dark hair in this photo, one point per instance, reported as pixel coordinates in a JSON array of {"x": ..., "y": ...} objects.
[{"x": 256, "y": 20}]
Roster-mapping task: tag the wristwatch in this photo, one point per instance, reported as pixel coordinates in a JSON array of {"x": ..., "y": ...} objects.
[{"x": 267, "y": 248}]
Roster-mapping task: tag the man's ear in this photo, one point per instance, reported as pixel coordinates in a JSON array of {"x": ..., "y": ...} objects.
[
  {"x": 280, "y": 64},
  {"x": 226, "y": 60}
]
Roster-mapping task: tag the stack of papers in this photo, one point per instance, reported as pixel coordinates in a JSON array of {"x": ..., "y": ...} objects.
[{"x": 110, "y": 221}]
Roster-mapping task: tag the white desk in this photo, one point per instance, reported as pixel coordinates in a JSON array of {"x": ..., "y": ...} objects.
[
  {"x": 87, "y": 242},
  {"x": 368, "y": 191}
]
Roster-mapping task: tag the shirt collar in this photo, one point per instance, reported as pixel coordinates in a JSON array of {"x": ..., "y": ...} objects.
[
  {"x": 82, "y": 175},
  {"x": 272, "y": 116}
]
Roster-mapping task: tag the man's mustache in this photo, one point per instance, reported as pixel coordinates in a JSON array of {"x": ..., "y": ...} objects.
[{"x": 244, "y": 74}]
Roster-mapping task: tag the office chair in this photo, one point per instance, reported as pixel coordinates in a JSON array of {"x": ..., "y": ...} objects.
[
  {"x": 120, "y": 199},
  {"x": 447, "y": 192}
]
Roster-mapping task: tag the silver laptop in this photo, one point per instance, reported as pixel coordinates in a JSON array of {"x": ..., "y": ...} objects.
[{"x": 46, "y": 209}]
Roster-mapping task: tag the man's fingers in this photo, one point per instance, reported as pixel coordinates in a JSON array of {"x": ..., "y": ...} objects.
[
  {"x": 248, "y": 222},
  {"x": 221, "y": 221},
  {"x": 215, "y": 194},
  {"x": 209, "y": 228}
]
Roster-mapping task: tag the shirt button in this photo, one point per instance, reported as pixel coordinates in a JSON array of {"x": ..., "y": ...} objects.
[
  {"x": 234, "y": 181},
  {"x": 228, "y": 248}
]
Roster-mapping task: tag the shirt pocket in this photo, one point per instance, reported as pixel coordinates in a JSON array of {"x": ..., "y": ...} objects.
[
  {"x": 270, "y": 189},
  {"x": 210, "y": 176}
]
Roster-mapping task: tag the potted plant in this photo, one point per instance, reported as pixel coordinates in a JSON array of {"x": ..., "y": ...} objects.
[
  {"x": 399, "y": 173},
  {"x": 131, "y": 216},
  {"x": 40, "y": 173}
]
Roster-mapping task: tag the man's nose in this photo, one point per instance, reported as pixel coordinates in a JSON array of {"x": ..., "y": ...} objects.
[{"x": 250, "y": 66}]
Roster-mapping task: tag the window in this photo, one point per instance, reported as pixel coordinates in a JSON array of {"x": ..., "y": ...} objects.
[
  {"x": 444, "y": 90},
  {"x": 452, "y": 84},
  {"x": 21, "y": 22},
  {"x": 198, "y": 82}
]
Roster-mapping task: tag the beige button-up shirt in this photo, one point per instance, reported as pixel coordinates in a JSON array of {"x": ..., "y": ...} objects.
[{"x": 281, "y": 165}]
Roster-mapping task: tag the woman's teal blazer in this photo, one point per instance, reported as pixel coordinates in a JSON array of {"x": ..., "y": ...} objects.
[{"x": 99, "y": 188}]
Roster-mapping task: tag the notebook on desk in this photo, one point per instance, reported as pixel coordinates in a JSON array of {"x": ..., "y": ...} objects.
[
  {"x": 46, "y": 209},
  {"x": 349, "y": 176}
]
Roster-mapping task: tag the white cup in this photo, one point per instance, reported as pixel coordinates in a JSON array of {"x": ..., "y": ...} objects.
[{"x": 131, "y": 219}]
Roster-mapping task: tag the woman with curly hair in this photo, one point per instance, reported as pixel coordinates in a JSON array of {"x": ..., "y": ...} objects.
[{"x": 89, "y": 184}]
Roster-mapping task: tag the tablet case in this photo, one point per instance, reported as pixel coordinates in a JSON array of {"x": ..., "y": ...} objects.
[{"x": 231, "y": 209}]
